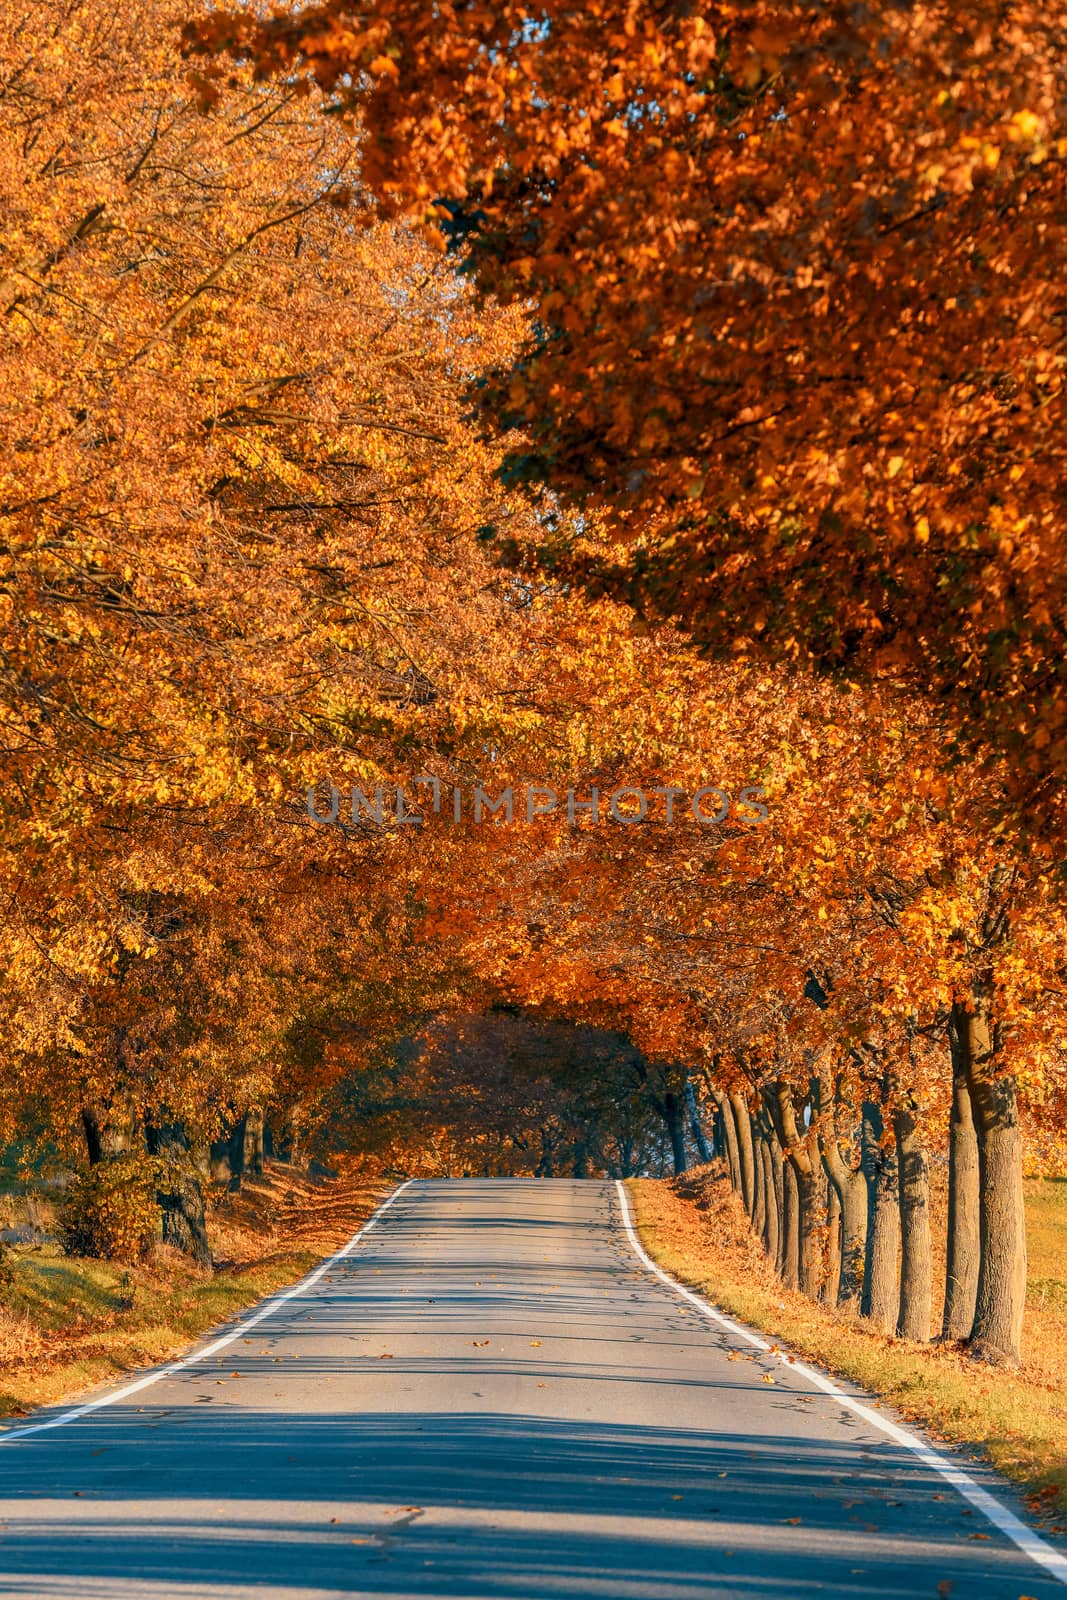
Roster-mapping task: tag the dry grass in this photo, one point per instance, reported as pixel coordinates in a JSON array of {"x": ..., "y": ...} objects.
[
  {"x": 696, "y": 1228},
  {"x": 69, "y": 1323}
]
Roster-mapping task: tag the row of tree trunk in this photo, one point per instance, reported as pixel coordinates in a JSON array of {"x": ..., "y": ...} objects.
[
  {"x": 112, "y": 1130},
  {"x": 840, "y": 1195}
]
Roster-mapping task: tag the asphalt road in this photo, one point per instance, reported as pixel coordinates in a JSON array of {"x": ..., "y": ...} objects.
[{"x": 491, "y": 1396}]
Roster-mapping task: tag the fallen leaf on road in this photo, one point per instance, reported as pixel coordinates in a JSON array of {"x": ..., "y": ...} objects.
[
  {"x": 385, "y": 1356},
  {"x": 984, "y": 1536},
  {"x": 944, "y": 1588},
  {"x": 794, "y": 1522},
  {"x": 534, "y": 1343},
  {"x": 479, "y": 1343},
  {"x": 767, "y": 1378}
]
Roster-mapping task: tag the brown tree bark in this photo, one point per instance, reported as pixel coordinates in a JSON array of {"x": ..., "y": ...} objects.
[
  {"x": 964, "y": 1237},
  {"x": 996, "y": 1335},
  {"x": 832, "y": 1279},
  {"x": 179, "y": 1195},
  {"x": 880, "y": 1299},
  {"x": 790, "y": 1227},
  {"x": 743, "y": 1128},
  {"x": 913, "y": 1190},
  {"x": 109, "y": 1129},
  {"x": 733, "y": 1161},
  {"x": 219, "y": 1161},
  {"x": 253, "y": 1151},
  {"x": 236, "y": 1153},
  {"x": 772, "y": 1221},
  {"x": 850, "y": 1188},
  {"x": 289, "y": 1136},
  {"x": 696, "y": 1122},
  {"x": 777, "y": 1164},
  {"x": 673, "y": 1110},
  {"x": 759, "y": 1202},
  {"x": 801, "y": 1154}
]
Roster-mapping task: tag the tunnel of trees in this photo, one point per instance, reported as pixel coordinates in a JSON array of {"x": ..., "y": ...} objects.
[{"x": 460, "y": 712}]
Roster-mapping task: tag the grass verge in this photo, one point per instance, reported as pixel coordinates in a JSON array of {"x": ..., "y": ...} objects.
[
  {"x": 69, "y": 1323},
  {"x": 696, "y": 1229}
]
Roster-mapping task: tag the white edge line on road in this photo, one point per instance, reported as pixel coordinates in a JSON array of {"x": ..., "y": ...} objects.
[
  {"x": 266, "y": 1310},
  {"x": 1013, "y": 1528}
]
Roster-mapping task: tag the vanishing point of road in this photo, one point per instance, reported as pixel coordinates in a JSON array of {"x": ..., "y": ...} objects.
[{"x": 490, "y": 1397}]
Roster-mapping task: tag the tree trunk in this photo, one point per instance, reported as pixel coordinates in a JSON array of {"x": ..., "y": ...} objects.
[
  {"x": 253, "y": 1151},
  {"x": 738, "y": 1105},
  {"x": 810, "y": 1264},
  {"x": 964, "y": 1239},
  {"x": 238, "y": 1147},
  {"x": 733, "y": 1160},
  {"x": 179, "y": 1195},
  {"x": 759, "y": 1203},
  {"x": 580, "y": 1165},
  {"x": 1000, "y": 1301},
  {"x": 790, "y": 1227},
  {"x": 219, "y": 1161},
  {"x": 109, "y": 1131},
  {"x": 800, "y": 1153},
  {"x": 674, "y": 1117},
  {"x": 777, "y": 1161},
  {"x": 771, "y": 1210},
  {"x": 880, "y": 1300},
  {"x": 289, "y": 1136},
  {"x": 696, "y": 1123},
  {"x": 913, "y": 1189},
  {"x": 831, "y": 1282},
  {"x": 850, "y": 1188}
]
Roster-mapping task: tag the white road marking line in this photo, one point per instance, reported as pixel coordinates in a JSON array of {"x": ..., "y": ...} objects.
[
  {"x": 1031, "y": 1543},
  {"x": 272, "y": 1305}
]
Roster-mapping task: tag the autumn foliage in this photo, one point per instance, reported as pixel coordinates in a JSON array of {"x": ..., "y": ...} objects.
[
  {"x": 794, "y": 274},
  {"x": 643, "y": 400}
]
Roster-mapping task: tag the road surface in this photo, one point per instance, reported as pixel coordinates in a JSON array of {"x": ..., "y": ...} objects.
[{"x": 490, "y": 1397}]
